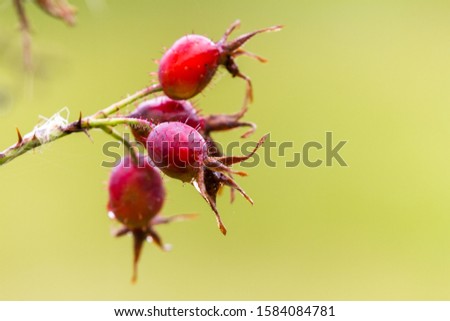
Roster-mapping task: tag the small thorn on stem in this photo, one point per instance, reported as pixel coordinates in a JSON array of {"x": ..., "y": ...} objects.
[
  {"x": 19, "y": 137},
  {"x": 88, "y": 135},
  {"x": 79, "y": 120}
]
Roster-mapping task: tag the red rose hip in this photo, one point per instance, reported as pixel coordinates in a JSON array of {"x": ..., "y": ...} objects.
[
  {"x": 177, "y": 149},
  {"x": 136, "y": 196},
  {"x": 163, "y": 109},
  {"x": 136, "y": 192},
  {"x": 181, "y": 152},
  {"x": 188, "y": 66},
  {"x": 192, "y": 61}
]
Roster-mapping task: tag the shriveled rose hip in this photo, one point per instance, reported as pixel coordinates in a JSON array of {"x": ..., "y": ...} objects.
[{"x": 192, "y": 61}]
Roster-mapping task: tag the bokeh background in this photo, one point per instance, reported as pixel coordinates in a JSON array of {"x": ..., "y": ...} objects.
[{"x": 375, "y": 73}]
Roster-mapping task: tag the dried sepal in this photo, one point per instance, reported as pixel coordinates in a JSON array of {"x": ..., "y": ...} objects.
[{"x": 60, "y": 9}]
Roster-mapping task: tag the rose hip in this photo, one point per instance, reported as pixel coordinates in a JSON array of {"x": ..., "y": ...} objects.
[
  {"x": 164, "y": 109},
  {"x": 136, "y": 192},
  {"x": 181, "y": 152},
  {"x": 192, "y": 61},
  {"x": 136, "y": 196}
]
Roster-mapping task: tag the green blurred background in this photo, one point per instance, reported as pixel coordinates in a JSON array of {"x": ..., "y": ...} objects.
[{"x": 375, "y": 73}]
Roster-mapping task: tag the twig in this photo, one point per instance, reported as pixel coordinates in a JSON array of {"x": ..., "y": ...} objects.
[
  {"x": 33, "y": 139},
  {"x": 114, "y": 108},
  {"x": 26, "y": 35}
]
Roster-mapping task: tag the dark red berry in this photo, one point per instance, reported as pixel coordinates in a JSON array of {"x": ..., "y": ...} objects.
[
  {"x": 163, "y": 109},
  {"x": 177, "y": 149},
  {"x": 192, "y": 61},
  {"x": 136, "y": 196},
  {"x": 136, "y": 193},
  {"x": 181, "y": 152}
]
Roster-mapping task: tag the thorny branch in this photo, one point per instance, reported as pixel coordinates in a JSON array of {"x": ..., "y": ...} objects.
[{"x": 100, "y": 120}]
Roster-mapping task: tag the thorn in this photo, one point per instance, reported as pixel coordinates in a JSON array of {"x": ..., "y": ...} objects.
[
  {"x": 19, "y": 136},
  {"x": 88, "y": 135},
  {"x": 79, "y": 121}
]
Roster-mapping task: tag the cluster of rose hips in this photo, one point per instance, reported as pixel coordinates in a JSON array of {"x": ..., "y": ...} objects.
[{"x": 178, "y": 142}]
